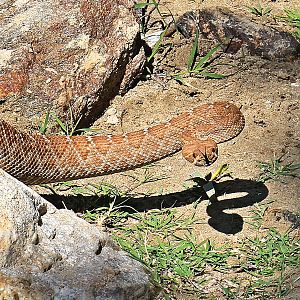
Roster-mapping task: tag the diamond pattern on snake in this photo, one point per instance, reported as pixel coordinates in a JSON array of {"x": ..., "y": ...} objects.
[{"x": 36, "y": 159}]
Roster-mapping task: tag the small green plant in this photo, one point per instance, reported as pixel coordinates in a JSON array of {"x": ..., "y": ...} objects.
[
  {"x": 293, "y": 17},
  {"x": 110, "y": 212},
  {"x": 42, "y": 127},
  {"x": 108, "y": 215},
  {"x": 275, "y": 169},
  {"x": 69, "y": 127},
  {"x": 229, "y": 293},
  {"x": 147, "y": 176},
  {"x": 274, "y": 252},
  {"x": 203, "y": 66},
  {"x": 145, "y": 18},
  {"x": 102, "y": 189},
  {"x": 260, "y": 11},
  {"x": 157, "y": 46},
  {"x": 258, "y": 211}
]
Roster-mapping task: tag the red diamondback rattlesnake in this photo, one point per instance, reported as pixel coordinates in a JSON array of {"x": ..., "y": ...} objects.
[{"x": 36, "y": 159}]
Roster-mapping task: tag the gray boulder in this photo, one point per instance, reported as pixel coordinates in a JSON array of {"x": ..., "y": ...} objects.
[{"x": 46, "y": 253}]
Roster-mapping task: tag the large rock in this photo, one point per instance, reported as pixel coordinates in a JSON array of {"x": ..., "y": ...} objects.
[
  {"x": 46, "y": 253},
  {"x": 60, "y": 54},
  {"x": 236, "y": 32}
]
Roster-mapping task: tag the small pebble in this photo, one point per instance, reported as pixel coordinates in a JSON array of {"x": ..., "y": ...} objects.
[
  {"x": 295, "y": 84},
  {"x": 112, "y": 119},
  {"x": 111, "y": 111}
]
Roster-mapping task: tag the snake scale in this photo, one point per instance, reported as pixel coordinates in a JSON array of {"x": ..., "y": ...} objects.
[{"x": 37, "y": 159}]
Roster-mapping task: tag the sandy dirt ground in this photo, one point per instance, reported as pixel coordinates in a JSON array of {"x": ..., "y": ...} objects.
[{"x": 268, "y": 93}]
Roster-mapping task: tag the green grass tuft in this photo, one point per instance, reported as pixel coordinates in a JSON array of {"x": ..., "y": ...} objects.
[
  {"x": 260, "y": 11},
  {"x": 275, "y": 170},
  {"x": 293, "y": 17}
]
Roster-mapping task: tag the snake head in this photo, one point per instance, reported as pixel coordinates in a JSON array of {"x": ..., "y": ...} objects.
[{"x": 200, "y": 152}]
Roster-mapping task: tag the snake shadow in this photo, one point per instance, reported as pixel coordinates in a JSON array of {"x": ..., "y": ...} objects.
[{"x": 239, "y": 193}]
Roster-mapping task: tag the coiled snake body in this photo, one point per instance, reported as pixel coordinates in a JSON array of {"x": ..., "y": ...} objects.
[{"x": 36, "y": 159}]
